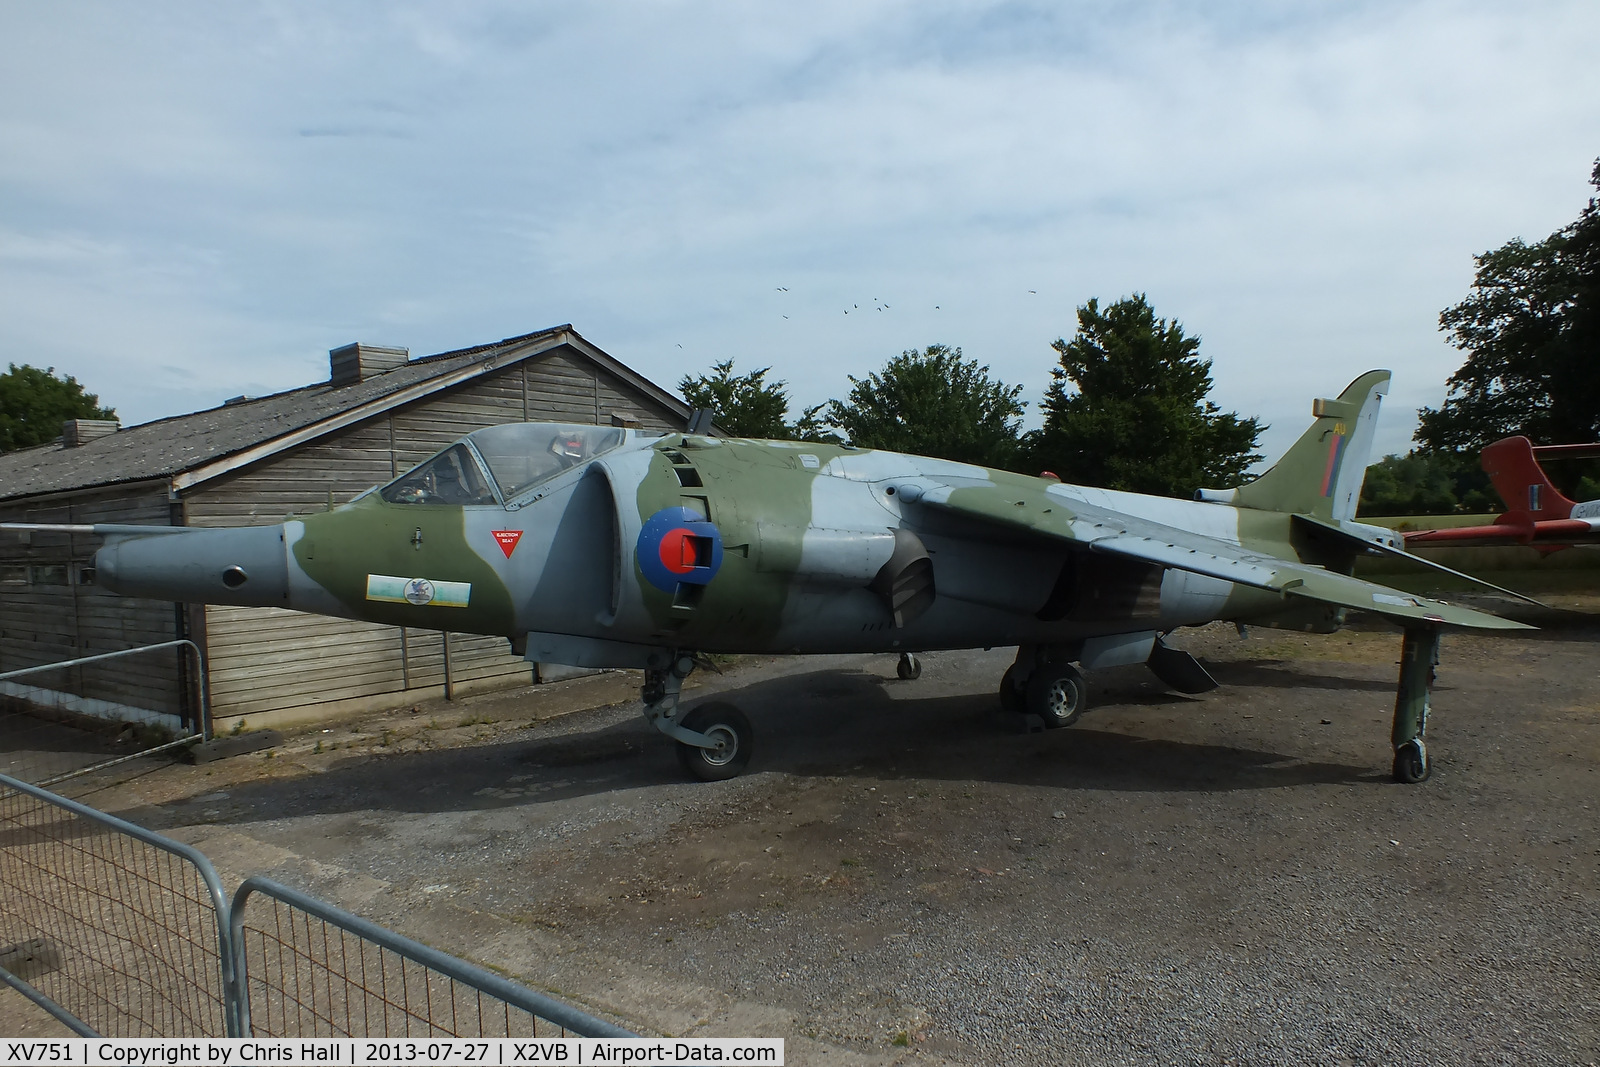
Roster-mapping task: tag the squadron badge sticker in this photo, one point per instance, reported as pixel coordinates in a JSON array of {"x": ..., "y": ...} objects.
[
  {"x": 390, "y": 589},
  {"x": 678, "y": 546}
]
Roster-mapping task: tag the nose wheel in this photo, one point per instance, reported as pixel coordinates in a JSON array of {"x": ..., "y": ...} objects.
[
  {"x": 730, "y": 735},
  {"x": 714, "y": 739}
]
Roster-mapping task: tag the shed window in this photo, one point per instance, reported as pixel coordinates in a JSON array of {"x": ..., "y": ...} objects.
[
  {"x": 49, "y": 573},
  {"x": 451, "y": 477}
]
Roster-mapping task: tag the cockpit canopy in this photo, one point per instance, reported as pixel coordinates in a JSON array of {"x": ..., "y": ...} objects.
[{"x": 499, "y": 463}]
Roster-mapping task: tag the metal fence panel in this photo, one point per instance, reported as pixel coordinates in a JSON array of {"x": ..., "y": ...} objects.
[
  {"x": 46, "y": 746},
  {"x": 119, "y": 931},
  {"x": 310, "y": 969},
  {"x": 121, "y": 927}
]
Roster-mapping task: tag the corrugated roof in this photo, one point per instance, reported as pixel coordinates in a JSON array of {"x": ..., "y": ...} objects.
[{"x": 168, "y": 447}]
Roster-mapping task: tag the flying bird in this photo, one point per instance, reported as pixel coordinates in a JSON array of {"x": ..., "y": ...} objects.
[
  {"x": 1035, "y": 292},
  {"x": 783, "y": 289}
]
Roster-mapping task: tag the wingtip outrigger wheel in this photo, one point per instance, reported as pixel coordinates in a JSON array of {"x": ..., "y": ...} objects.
[
  {"x": 1411, "y": 762},
  {"x": 1419, "y": 654}
]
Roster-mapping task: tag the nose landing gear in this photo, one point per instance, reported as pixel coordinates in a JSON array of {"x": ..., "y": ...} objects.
[
  {"x": 714, "y": 740},
  {"x": 728, "y": 730}
]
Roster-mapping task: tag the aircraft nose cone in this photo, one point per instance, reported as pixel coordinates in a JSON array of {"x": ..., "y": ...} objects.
[{"x": 247, "y": 566}]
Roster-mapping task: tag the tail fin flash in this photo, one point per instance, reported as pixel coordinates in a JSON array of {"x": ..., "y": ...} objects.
[
  {"x": 1321, "y": 474},
  {"x": 1521, "y": 482}
]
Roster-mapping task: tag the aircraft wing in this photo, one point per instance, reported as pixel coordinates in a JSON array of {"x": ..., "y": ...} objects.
[
  {"x": 1378, "y": 548},
  {"x": 1101, "y": 529}
]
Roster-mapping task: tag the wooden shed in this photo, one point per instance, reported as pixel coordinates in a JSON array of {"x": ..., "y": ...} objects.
[{"x": 258, "y": 460}]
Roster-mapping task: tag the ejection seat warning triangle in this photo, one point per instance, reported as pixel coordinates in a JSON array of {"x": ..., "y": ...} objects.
[{"x": 507, "y": 539}]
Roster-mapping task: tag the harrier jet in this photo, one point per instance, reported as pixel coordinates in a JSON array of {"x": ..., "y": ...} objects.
[{"x": 612, "y": 547}]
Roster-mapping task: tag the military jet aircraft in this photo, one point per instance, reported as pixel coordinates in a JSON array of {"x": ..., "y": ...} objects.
[
  {"x": 1536, "y": 513},
  {"x": 611, "y": 547}
]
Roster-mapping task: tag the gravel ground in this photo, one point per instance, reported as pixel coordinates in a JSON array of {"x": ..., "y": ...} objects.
[{"x": 907, "y": 875}]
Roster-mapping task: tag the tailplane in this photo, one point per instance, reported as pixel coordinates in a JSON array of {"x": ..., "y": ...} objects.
[{"x": 1321, "y": 474}]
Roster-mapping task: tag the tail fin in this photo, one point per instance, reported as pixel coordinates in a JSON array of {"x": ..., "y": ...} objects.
[
  {"x": 1521, "y": 482},
  {"x": 1321, "y": 474}
]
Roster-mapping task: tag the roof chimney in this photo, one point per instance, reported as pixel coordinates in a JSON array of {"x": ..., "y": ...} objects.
[
  {"x": 77, "y": 432},
  {"x": 358, "y": 362}
]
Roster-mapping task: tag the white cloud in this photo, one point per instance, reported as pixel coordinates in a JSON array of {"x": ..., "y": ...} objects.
[{"x": 232, "y": 190}]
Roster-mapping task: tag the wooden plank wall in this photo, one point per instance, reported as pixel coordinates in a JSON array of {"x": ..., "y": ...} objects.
[
  {"x": 264, "y": 661},
  {"x": 267, "y": 659},
  {"x": 65, "y": 617}
]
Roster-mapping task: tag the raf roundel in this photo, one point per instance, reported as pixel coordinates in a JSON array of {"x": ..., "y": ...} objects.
[{"x": 678, "y": 546}]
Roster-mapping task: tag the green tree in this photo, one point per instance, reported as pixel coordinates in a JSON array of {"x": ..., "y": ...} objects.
[
  {"x": 747, "y": 406},
  {"x": 1127, "y": 408},
  {"x": 1427, "y": 483},
  {"x": 933, "y": 403},
  {"x": 34, "y": 403},
  {"x": 1531, "y": 331}
]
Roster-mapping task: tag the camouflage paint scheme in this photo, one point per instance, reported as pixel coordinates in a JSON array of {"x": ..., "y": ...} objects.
[
  {"x": 805, "y": 529},
  {"x": 666, "y": 544}
]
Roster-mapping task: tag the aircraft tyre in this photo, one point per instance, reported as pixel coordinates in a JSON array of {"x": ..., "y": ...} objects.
[
  {"x": 1012, "y": 697},
  {"x": 1056, "y": 694},
  {"x": 1411, "y": 763},
  {"x": 726, "y": 725},
  {"x": 909, "y": 668}
]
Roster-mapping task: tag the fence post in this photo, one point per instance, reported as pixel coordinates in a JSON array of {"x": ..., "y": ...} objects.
[{"x": 449, "y": 678}]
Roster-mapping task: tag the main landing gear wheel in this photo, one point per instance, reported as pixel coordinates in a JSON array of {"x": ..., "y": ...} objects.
[
  {"x": 727, "y": 726},
  {"x": 1056, "y": 694},
  {"x": 1011, "y": 694},
  {"x": 1411, "y": 763},
  {"x": 909, "y": 667}
]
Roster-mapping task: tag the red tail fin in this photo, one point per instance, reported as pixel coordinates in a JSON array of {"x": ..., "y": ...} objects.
[{"x": 1521, "y": 482}]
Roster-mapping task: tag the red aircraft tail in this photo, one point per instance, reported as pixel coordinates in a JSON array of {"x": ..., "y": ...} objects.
[{"x": 1522, "y": 483}]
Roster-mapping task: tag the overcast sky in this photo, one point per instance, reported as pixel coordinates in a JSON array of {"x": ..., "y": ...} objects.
[{"x": 199, "y": 200}]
